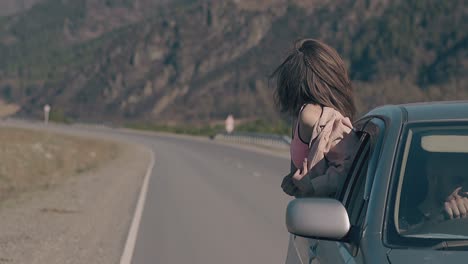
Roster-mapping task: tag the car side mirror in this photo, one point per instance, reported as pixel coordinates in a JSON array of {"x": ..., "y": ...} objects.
[{"x": 317, "y": 218}]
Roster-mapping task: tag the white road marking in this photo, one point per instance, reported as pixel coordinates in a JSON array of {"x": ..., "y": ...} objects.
[
  {"x": 133, "y": 232},
  {"x": 256, "y": 174}
]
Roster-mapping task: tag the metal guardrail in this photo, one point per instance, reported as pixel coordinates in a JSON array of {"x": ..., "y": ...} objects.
[{"x": 269, "y": 140}]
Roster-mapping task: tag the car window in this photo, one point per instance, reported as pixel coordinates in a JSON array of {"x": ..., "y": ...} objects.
[
  {"x": 354, "y": 202},
  {"x": 432, "y": 168},
  {"x": 353, "y": 171},
  {"x": 352, "y": 195},
  {"x": 354, "y": 189},
  {"x": 359, "y": 180}
]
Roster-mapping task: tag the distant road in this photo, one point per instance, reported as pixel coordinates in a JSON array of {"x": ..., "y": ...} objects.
[{"x": 208, "y": 203}]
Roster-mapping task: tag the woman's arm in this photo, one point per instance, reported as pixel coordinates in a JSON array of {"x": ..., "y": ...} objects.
[
  {"x": 328, "y": 174},
  {"x": 287, "y": 184},
  {"x": 308, "y": 118}
]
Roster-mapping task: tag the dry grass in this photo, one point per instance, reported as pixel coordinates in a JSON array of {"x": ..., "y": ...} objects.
[
  {"x": 31, "y": 160},
  {"x": 8, "y": 109}
]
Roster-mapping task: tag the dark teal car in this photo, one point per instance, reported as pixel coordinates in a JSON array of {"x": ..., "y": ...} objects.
[{"x": 397, "y": 204}]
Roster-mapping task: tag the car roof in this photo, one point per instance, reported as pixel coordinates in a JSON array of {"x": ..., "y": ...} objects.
[{"x": 427, "y": 111}]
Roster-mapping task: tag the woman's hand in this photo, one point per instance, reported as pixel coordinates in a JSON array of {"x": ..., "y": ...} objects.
[
  {"x": 301, "y": 173},
  {"x": 292, "y": 183},
  {"x": 303, "y": 184},
  {"x": 288, "y": 186},
  {"x": 456, "y": 205}
]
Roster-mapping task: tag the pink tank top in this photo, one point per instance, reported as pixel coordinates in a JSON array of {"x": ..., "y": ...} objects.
[{"x": 299, "y": 149}]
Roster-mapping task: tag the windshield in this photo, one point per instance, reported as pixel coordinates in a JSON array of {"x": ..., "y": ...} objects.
[{"x": 433, "y": 168}]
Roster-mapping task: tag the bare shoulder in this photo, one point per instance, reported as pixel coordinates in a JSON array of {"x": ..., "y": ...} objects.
[{"x": 311, "y": 114}]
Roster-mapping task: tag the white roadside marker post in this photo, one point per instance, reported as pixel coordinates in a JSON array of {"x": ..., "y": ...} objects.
[
  {"x": 46, "y": 113},
  {"x": 229, "y": 123}
]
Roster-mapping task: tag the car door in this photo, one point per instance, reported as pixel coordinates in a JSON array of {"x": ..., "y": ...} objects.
[
  {"x": 317, "y": 251},
  {"x": 354, "y": 197},
  {"x": 307, "y": 250}
]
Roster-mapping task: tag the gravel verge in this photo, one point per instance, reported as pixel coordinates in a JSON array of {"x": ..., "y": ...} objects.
[{"x": 85, "y": 219}]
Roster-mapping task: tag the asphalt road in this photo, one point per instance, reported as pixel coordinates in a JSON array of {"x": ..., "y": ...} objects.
[
  {"x": 206, "y": 202},
  {"x": 210, "y": 203}
]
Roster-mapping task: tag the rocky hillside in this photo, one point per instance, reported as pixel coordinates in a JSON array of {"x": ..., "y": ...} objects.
[
  {"x": 11, "y": 7},
  {"x": 170, "y": 61}
]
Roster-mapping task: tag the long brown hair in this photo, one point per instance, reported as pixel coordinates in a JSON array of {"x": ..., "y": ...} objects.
[{"x": 313, "y": 73}]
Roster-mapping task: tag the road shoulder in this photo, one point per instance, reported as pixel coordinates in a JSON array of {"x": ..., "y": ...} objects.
[{"x": 83, "y": 220}]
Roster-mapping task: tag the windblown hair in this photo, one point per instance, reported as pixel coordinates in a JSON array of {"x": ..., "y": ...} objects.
[{"x": 313, "y": 73}]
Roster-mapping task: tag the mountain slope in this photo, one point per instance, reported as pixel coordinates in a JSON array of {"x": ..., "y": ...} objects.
[
  {"x": 11, "y": 7},
  {"x": 169, "y": 61}
]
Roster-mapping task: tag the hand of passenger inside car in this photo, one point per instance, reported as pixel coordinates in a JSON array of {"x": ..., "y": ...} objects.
[{"x": 456, "y": 205}]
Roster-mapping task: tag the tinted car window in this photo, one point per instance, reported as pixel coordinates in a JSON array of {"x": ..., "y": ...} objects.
[
  {"x": 356, "y": 202},
  {"x": 433, "y": 164}
]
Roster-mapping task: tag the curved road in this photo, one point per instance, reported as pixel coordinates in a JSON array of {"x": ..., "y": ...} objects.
[
  {"x": 211, "y": 203},
  {"x": 206, "y": 202}
]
